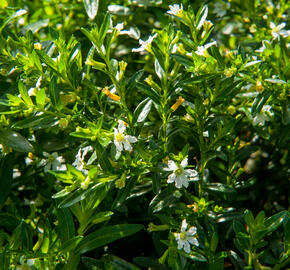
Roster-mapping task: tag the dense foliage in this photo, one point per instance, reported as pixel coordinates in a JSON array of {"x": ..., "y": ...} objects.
[{"x": 144, "y": 134}]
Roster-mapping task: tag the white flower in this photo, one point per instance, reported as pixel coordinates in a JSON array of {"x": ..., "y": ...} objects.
[
  {"x": 277, "y": 30},
  {"x": 179, "y": 175},
  {"x": 176, "y": 10},
  {"x": 201, "y": 50},
  {"x": 53, "y": 162},
  {"x": 79, "y": 162},
  {"x": 33, "y": 91},
  {"x": 145, "y": 45},
  {"x": 264, "y": 115},
  {"x": 185, "y": 238},
  {"x": 264, "y": 47},
  {"x": 121, "y": 140},
  {"x": 220, "y": 9}
]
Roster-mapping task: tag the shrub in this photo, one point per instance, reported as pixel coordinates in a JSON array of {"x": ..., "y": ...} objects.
[{"x": 144, "y": 135}]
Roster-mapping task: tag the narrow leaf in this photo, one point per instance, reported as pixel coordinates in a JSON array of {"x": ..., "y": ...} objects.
[{"x": 107, "y": 235}]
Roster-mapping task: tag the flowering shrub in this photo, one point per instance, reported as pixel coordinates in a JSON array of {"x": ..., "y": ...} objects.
[{"x": 144, "y": 134}]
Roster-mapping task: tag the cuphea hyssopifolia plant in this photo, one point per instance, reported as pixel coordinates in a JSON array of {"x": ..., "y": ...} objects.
[{"x": 178, "y": 153}]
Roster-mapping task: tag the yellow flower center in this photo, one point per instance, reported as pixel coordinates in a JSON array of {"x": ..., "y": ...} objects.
[
  {"x": 179, "y": 171},
  {"x": 183, "y": 236},
  {"x": 51, "y": 158},
  {"x": 119, "y": 137}
]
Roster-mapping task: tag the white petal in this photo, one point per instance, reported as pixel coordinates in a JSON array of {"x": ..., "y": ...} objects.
[
  {"x": 172, "y": 165},
  {"x": 121, "y": 126},
  {"x": 55, "y": 154},
  {"x": 186, "y": 247},
  {"x": 193, "y": 241},
  {"x": 210, "y": 44},
  {"x": 171, "y": 178},
  {"x": 178, "y": 182},
  {"x": 281, "y": 26},
  {"x": 183, "y": 180},
  {"x": 45, "y": 154},
  {"x": 184, "y": 162},
  {"x": 272, "y": 25},
  {"x": 192, "y": 174},
  {"x": 191, "y": 231},
  {"x": 183, "y": 225},
  {"x": 118, "y": 145},
  {"x": 130, "y": 139},
  {"x": 127, "y": 146},
  {"x": 180, "y": 244}
]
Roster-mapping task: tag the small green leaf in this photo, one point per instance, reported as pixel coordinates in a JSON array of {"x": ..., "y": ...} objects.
[
  {"x": 219, "y": 187},
  {"x": 37, "y": 122},
  {"x": 104, "y": 27},
  {"x": 273, "y": 222},
  {"x": 143, "y": 110},
  {"x": 70, "y": 244},
  {"x": 66, "y": 227},
  {"x": 201, "y": 16},
  {"x": 16, "y": 141},
  {"x": 133, "y": 80},
  {"x": 54, "y": 92},
  {"x": 24, "y": 94},
  {"x": 47, "y": 60},
  {"x": 107, "y": 235},
  {"x": 149, "y": 92},
  {"x": 6, "y": 173},
  {"x": 40, "y": 98}
]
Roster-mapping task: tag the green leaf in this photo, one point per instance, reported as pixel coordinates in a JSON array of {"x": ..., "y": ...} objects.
[
  {"x": 119, "y": 264},
  {"x": 219, "y": 187},
  {"x": 161, "y": 201},
  {"x": 198, "y": 79},
  {"x": 40, "y": 98},
  {"x": 6, "y": 173},
  {"x": 66, "y": 227},
  {"x": 107, "y": 235},
  {"x": 16, "y": 141},
  {"x": 124, "y": 193},
  {"x": 273, "y": 222},
  {"x": 37, "y": 122},
  {"x": 24, "y": 94},
  {"x": 91, "y": 7},
  {"x": 149, "y": 92},
  {"x": 133, "y": 80},
  {"x": 104, "y": 27},
  {"x": 22, "y": 238},
  {"x": 142, "y": 110},
  {"x": 214, "y": 242},
  {"x": 54, "y": 92},
  {"x": 47, "y": 60},
  {"x": 187, "y": 62},
  {"x": 15, "y": 15},
  {"x": 149, "y": 263},
  {"x": 70, "y": 244},
  {"x": 287, "y": 236},
  {"x": 8, "y": 221},
  {"x": 194, "y": 256},
  {"x": 201, "y": 17},
  {"x": 239, "y": 227},
  {"x": 216, "y": 54}
]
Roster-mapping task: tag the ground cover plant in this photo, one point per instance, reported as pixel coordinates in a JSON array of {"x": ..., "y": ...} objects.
[{"x": 144, "y": 134}]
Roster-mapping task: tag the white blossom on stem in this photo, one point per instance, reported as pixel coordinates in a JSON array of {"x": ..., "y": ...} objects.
[
  {"x": 186, "y": 238},
  {"x": 179, "y": 175},
  {"x": 145, "y": 45},
  {"x": 121, "y": 140}
]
